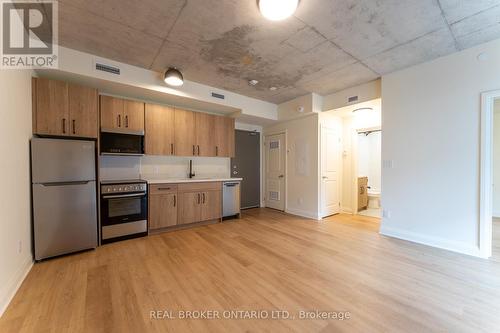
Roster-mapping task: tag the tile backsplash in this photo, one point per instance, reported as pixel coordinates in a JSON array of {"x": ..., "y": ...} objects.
[{"x": 129, "y": 167}]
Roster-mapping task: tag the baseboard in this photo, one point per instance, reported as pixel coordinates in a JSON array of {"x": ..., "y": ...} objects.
[
  {"x": 346, "y": 210},
  {"x": 303, "y": 213},
  {"x": 433, "y": 241},
  {"x": 13, "y": 285}
]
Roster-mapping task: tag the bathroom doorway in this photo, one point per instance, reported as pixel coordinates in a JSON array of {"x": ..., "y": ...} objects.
[{"x": 369, "y": 173}]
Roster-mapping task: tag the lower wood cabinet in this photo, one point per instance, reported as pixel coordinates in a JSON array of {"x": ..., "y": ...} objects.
[
  {"x": 181, "y": 204},
  {"x": 163, "y": 205}
]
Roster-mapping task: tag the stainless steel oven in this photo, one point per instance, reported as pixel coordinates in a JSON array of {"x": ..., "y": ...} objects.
[{"x": 124, "y": 210}]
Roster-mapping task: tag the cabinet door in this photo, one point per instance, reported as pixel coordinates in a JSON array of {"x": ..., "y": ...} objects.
[
  {"x": 159, "y": 132},
  {"x": 211, "y": 205},
  {"x": 189, "y": 207},
  {"x": 205, "y": 128},
  {"x": 111, "y": 112},
  {"x": 224, "y": 136},
  {"x": 52, "y": 109},
  {"x": 133, "y": 115},
  {"x": 184, "y": 133},
  {"x": 83, "y": 111},
  {"x": 162, "y": 210}
]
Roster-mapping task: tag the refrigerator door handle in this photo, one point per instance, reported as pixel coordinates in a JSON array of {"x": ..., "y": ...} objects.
[{"x": 66, "y": 183}]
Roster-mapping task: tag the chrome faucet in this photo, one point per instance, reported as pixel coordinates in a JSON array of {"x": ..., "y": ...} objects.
[{"x": 191, "y": 173}]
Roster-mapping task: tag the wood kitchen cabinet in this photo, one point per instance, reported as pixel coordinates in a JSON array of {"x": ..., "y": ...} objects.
[
  {"x": 224, "y": 136},
  {"x": 64, "y": 109},
  {"x": 83, "y": 111},
  {"x": 184, "y": 133},
  {"x": 205, "y": 130},
  {"x": 211, "y": 205},
  {"x": 199, "y": 202},
  {"x": 159, "y": 130},
  {"x": 121, "y": 114},
  {"x": 163, "y": 205}
]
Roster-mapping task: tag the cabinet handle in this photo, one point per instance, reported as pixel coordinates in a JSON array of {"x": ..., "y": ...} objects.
[
  {"x": 216, "y": 150},
  {"x": 175, "y": 200},
  {"x": 119, "y": 120},
  {"x": 64, "y": 125},
  {"x": 198, "y": 150},
  {"x": 198, "y": 198},
  {"x": 74, "y": 126},
  {"x": 126, "y": 121},
  {"x": 194, "y": 151},
  {"x": 203, "y": 194},
  {"x": 163, "y": 188},
  {"x": 171, "y": 149}
]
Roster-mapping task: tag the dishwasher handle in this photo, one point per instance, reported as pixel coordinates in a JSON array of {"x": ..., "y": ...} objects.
[{"x": 231, "y": 184}]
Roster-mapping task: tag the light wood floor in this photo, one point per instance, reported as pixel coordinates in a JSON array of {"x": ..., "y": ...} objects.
[{"x": 265, "y": 261}]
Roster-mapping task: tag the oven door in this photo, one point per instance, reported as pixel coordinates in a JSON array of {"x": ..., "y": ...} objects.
[{"x": 123, "y": 208}]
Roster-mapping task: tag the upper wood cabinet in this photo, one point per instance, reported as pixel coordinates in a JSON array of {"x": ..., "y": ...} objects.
[
  {"x": 119, "y": 113},
  {"x": 83, "y": 111},
  {"x": 224, "y": 136},
  {"x": 184, "y": 133},
  {"x": 159, "y": 130},
  {"x": 61, "y": 108},
  {"x": 133, "y": 115},
  {"x": 205, "y": 128}
]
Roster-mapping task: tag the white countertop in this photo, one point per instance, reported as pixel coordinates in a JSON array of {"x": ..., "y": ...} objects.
[{"x": 171, "y": 180}]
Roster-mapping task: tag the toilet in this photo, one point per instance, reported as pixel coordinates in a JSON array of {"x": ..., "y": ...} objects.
[{"x": 373, "y": 198}]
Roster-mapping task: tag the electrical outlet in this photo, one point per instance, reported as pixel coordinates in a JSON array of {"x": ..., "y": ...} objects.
[{"x": 386, "y": 213}]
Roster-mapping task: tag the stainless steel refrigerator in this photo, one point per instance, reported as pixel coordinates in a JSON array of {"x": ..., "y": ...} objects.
[{"x": 64, "y": 196}]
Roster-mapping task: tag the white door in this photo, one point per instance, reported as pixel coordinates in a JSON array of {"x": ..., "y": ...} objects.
[
  {"x": 330, "y": 161},
  {"x": 275, "y": 171}
]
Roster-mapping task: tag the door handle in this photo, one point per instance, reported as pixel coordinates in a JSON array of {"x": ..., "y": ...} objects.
[
  {"x": 74, "y": 126},
  {"x": 281, "y": 176}
]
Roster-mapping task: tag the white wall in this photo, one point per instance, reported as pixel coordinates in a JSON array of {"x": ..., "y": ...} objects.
[
  {"x": 496, "y": 160},
  {"x": 431, "y": 131},
  {"x": 369, "y": 159},
  {"x": 301, "y": 186},
  {"x": 307, "y": 104},
  {"x": 15, "y": 224}
]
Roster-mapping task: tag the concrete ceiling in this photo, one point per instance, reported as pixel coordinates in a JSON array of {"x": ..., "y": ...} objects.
[{"x": 328, "y": 45}]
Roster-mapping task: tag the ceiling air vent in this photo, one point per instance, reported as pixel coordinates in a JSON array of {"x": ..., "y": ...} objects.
[
  {"x": 352, "y": 99},
  {"x": 107, "y": 68},
  {"x": 219, "y": 96}
]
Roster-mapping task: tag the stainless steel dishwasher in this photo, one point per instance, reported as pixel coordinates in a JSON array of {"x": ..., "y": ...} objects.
[{"x": 230, "y": 198}]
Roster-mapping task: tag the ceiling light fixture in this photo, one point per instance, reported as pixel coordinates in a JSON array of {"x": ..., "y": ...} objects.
[
  {"x": 253, "y": 82},
  {"x": 273, "y": 88},
  {"x": 362, "y": 109},
  {"x": 173, "y": 77},
  {"x": 277, "y": 10}
]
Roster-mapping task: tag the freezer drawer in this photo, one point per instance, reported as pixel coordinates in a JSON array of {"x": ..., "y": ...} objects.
[
  {"x": 65, "y": 218},
  {"x": 230, "y": 198}
]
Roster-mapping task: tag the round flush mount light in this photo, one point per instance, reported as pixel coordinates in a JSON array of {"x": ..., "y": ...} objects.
[
  {"x": 173, "y": 77},
  {"x": 253, "y": 82},
  {"x": 273, "y": 88},
  {"x": 363, "y": 109},
  {"x": 277, "y": 10}
]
